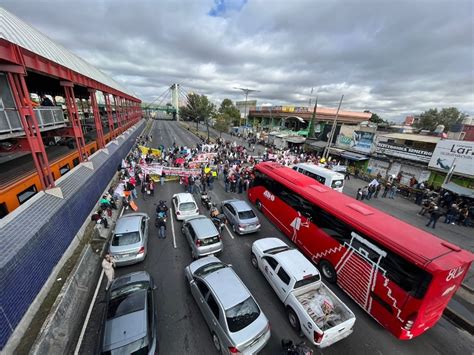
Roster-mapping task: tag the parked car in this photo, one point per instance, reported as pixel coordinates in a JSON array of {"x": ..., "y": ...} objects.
[
  {"x": 184, "y": 206},
  {"x": 312, "y": 307},
  {"x": 202, "y": 236},
  {"x": 241, "y": 216},
  {"x": 130, "y": 238},
  {"x": 236, "y": 322},
  {"x": 129, "y": 319}
]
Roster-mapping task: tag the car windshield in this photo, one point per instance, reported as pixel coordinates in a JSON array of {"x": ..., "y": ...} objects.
[
  {"x": 307, "y": 280},
  {"x": 246, "y": 214},
  {"x": 125, "y": 300},
  {"x": 337, "y": 183},
  {"x": 277, "y": 250},
  {"x": 121, "y": 239},
  {"x": 138, "y": 347},
  {"x": 209, "y": 268},
  {"x": 242, "y": 314},
  {"x": 187, "y": 206}
]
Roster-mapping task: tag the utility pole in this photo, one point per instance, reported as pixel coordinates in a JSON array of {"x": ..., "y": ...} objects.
[
  {"x": 246, "y": 92},
  {"x": 333, "y": 130},
  {"x": 313, "y": 118}
]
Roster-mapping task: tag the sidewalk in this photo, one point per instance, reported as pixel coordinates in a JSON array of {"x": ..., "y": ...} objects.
[{"x": 460, "y": 309}]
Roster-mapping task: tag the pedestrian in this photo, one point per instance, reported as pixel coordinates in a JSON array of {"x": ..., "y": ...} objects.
[
  {"x": 162, "y": 177},
  {"x": 370, "y": 191},
  {"x": 452, "y": 214},
  {"x": 434, "y": 216},
  {"x": 226, "y": 183},
  {"x": 108, "y": 265},
  {"x": 359, "y": 194},
  {"x": 393, "y": 191},
  {"x": 377, "y": 190},
  {"x": 151, "y": 187},
  {"x": 347, "y": 175},
  {"x": 386, "y": 189},
  {"x": 365, "y": 192},
  {"x": 143, "y": 189},
  {"x": 210, "y": 181}
]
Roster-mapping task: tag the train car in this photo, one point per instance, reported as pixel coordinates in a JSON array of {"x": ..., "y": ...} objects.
[{"x": 16, "y": 192}]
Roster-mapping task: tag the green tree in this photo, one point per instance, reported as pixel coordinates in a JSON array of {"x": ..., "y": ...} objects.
[
  {"x": 229, "y": 112},
  {"x": 447, "y": 117},
  {"x": 198, "y": 108},
  {"x": 375, "y": 118}
]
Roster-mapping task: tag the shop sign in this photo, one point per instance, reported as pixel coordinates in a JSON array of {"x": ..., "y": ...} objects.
[
  {"x": 404, "y": 152},
  {"x": 459, "y": 153}
]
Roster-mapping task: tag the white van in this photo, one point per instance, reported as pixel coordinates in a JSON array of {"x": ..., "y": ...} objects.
[{"x": 325, "y": 176}]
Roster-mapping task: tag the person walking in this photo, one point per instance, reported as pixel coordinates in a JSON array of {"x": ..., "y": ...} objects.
[
  {"x": 161, "y": 225},
  {"x": 359, "y": 194},
  {"x": 347, "y": 175},
  {"x": 377, "y": 190},
  {"x": 108, "y": 265},
  {"x": 151, "y": 187},
  {"x": 434, "y": 216},
  {"x": 162, "y": 178}
]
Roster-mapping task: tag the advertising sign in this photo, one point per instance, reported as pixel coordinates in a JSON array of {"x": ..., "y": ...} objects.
[
  {"x": 359, "y": 141},
  {"x": 403, "y": 151},
  {"x": 448, "y": 151}
]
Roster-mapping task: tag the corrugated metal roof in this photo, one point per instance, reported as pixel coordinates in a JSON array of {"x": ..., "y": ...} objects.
[
  {"x": 19, "y": 32},
  {"x": 412, "y": 137}
]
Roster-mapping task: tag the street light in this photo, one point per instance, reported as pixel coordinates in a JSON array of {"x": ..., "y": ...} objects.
[{"x": 246, "y": 91}]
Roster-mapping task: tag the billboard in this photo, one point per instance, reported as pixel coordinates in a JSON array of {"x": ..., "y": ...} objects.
[
  {"x": 448, "y": 151},
  {"x": 359, "y": 141}
]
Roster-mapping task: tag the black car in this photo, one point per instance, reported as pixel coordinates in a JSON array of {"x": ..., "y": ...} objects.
[{"x": 129, "y": 320}]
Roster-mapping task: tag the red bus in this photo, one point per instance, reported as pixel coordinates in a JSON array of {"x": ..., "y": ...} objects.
[{"x": 402, "y": 276}]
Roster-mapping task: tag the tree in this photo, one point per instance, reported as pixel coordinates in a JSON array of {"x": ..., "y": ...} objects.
[
  {"x": 198, "y": 108},
  {"x": 230, "y": 113},
  {"x": 447, "y": 117},
  {"x": 375, "y": 118}
]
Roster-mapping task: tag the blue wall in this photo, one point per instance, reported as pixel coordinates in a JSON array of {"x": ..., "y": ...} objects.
[{"x": 32, "y": 243}]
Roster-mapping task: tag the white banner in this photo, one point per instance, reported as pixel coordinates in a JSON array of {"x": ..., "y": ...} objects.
[{"x": 447, "y": 152}]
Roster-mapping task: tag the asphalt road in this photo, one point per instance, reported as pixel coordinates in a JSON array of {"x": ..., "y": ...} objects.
[{"x": 181, "y": 328}]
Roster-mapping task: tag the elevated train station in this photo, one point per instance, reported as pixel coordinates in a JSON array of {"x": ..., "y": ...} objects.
[{"x": 38, "y": 144}]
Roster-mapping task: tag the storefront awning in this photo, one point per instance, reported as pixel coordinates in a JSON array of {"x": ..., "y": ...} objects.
[
  {"x": 354, "y": 156},
  {"x": 457, "y": 189},
  {"x": 295, "y": 139}
]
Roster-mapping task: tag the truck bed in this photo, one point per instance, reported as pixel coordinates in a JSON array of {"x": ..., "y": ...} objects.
[{"x": 310, "y": 297}]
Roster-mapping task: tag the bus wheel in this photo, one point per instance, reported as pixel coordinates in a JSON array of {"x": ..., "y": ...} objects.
[
  {"x": 259, "y": 205},
  {"x": 328, "y": 271}
]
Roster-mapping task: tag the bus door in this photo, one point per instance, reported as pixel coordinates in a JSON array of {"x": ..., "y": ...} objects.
[{"x": 357, "y": 269}]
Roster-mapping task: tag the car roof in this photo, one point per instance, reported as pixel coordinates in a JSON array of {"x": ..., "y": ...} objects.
[
  {"x": 129, "y": 223},
  {"x": 227, "y": 287},
  {"x": 125, "y": 329},
  {"x": 320, "y": 170},
  {"x": 239, "y": 205},
  {"x": 202, "y": 226},
  {"x": 184, "y": 197},
  {"x": 139, "y": 276},
  {"x": 295, "y": 264}
]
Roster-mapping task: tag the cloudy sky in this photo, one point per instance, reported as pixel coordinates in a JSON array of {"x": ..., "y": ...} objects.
[{"x": 392, "y": 57}]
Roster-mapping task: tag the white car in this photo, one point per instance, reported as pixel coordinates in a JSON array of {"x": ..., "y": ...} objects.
[{"x": 184, "y": 206}]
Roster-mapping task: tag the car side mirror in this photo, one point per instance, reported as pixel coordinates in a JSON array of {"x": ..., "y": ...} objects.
[
  {"x": 154, "y": 287},
  {"x": 192, "y": 282},
  {"x": 229, "y": 265}
]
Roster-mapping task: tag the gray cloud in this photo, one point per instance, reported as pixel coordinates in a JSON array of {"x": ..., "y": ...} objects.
[{"x": 391, "y": 57}]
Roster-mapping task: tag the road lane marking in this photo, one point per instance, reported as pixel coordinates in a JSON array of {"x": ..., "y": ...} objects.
[
  {"x": 89, "y": 311},
  {"x": 172, "y": 230},
  {"x": 228, "y": 230}
]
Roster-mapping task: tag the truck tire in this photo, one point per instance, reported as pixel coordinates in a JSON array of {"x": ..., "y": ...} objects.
[
  {"x": 328, "y": 271},
  {"x": 293, "y": 319}
]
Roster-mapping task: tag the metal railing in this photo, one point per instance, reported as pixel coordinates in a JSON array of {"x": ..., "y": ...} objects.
[{"x": 47, "y": 117}]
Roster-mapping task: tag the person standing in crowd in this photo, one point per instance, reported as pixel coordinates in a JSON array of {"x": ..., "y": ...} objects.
[
  {"x": 386, "y": 189},
  {"x": 162, "y": 177},
  {"x": 452, "y": 214},
  {"x": 377, "y": 190},
  {"x": 108, "y": 265},
  {"x": 434, "y": 216},
  {"x": 365, "y": 192},
  {"x": 359, "y": 194},
  {"x": 393, "y": 191},
  {"x": 151, "y": 187},
  {"x": 370, "y": 191}
]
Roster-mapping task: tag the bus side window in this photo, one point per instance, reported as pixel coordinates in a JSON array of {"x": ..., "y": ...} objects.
[{"x": 331, "y": 225}]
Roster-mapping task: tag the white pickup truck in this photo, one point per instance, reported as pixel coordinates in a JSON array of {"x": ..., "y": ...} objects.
[{"x": 311, "y": 306}]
